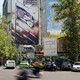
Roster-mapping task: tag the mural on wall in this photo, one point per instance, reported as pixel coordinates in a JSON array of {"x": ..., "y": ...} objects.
[{"x": 25, "y": 22}]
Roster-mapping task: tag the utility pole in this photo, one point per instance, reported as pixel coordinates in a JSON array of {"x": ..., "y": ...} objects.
[
  {"x": 39, "y": 12},
  {"x": 42, "y": 21}
]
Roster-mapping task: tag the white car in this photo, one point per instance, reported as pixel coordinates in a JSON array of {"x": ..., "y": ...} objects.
[
  {"x": 10, "y": 64},
  {"x": 76, "y": 66}
]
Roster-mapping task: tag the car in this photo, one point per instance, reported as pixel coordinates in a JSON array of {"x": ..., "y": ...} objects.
[
  {"x": 76, "y": 66},
  {"x": 10, "y": 64},
  {"x": 24, "y": 64},
  {"x": 66, "y": 65}
]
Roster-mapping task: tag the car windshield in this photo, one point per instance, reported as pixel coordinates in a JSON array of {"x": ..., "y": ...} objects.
[
  {"x": 77, "y": 63},
  {"x": 65, "y": 63},
  {"x": 10, "y": 62}
]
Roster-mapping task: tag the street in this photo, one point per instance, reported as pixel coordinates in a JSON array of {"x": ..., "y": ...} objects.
[{"x": 9, "y": 74}]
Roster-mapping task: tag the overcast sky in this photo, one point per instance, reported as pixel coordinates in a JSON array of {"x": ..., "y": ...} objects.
[{"x": 1, "y": 2}]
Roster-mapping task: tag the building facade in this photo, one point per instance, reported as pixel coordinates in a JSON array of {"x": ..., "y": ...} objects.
[{"x": 7, "y": 11}]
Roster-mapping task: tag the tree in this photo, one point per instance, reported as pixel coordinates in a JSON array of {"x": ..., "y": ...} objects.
[
  {"x": 69, "y": 12},
  {"x": 38, "y": 48},
  {"x": 6, "y": 47}
]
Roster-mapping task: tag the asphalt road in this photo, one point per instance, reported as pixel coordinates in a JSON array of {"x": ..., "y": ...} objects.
[{"x": 9, "y": 74}]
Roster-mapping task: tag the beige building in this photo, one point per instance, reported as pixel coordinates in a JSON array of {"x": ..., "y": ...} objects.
[{"x": 60, "y": 44}]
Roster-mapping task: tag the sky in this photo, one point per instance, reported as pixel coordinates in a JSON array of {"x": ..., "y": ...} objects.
[
  {"x": 1, "y": 2},
  {"x": 52, "y": 26}
]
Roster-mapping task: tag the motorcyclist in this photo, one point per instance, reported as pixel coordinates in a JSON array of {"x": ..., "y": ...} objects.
[
  {"x": 36, "y": 69},
  {"x": 49, "y": 65},
  {"x": 23, "y": 75}
]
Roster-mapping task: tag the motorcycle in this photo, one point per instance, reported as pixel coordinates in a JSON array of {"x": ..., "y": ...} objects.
[
  {"x": 25, "y": 74},
  {"x": 50, "y": 66},
  {"x": 35, "y": 72},
  {"x": 37, "y": 69}
]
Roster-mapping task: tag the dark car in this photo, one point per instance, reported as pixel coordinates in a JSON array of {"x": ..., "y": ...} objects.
[{"x": 66, "y": 65}]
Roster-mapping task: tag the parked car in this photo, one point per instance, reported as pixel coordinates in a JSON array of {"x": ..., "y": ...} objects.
[
  {"x": 10, "y": 64},
  {"x": 24, "y": 64},
  {"x": 66, "y": 65},
  {"x": 76, "y": 66}
]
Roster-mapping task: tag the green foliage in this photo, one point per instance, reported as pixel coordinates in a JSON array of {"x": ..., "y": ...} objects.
[
  {"x": 38, "y": 47},
  {"x": 4, "y": 25},
  {"x": 56, "y": 35},
  {"x": 69, "y": 12},
  {"x": 6, "y": 47}
]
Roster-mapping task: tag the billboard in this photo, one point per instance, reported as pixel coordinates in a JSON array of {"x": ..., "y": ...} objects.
[
  {"x": 50, "y": 46},
  {"x": 25, "y": 22}
]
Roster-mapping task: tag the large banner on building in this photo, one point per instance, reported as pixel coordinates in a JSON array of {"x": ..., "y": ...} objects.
[{"x": 26, "y": 25}]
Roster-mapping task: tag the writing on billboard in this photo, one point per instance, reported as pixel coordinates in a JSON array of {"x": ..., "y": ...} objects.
[
  {"x": 50, "y": 46},
  {"x": 26, "y": 30}
]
